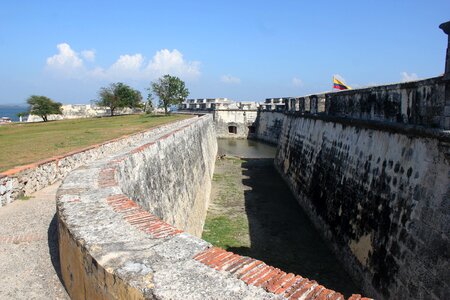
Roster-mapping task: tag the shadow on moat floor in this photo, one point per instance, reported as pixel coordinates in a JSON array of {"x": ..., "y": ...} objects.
[{"x": 281, "y": 234}]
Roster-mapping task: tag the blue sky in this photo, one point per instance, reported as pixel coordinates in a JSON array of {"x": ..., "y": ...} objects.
[{"x": 243, "y": 50}]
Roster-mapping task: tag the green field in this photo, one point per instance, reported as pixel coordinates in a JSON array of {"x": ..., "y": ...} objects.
[{"x": 24, "y": 143}]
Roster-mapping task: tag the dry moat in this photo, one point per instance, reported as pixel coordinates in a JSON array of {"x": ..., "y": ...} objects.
[{"x": 253, "y": 213}]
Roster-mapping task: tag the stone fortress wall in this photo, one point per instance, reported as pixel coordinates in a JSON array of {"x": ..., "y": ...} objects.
[
  {"x": 235, "y": 123},
  {"x": 118, "y": 239},
  {"x": 172, "y": 177},
  {"x": 370, "y": 167},
  {"x": 379, "y": 197},
  {"x": 372, "y": 170},
  {"x": 376, "y": 189}
]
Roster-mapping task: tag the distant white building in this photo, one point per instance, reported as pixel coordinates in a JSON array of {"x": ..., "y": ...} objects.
[
  {"x": 205, "y": 104},
  {"x": 78, "y": 111}
]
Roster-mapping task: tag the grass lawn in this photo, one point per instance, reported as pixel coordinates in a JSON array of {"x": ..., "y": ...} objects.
[
  {"x": 226, "y": 224},
  {"x": 24, "y": 143}
]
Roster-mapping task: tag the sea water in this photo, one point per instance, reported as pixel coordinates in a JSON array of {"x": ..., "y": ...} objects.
[{"x": 11, "y": 111}]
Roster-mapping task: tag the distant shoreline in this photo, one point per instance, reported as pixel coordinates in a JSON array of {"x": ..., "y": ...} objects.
[{"x": 11, "y": 111}]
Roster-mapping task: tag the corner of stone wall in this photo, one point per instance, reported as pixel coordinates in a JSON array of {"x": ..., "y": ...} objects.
[{"x": 113, "y": 248}]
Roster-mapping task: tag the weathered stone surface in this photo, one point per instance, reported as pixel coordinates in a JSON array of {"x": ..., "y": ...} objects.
[
  {"x": 111, "y": 258},
  {"x": 381, "y": 198},
  {"x": 104, "y": 256},
  {"x": 113, "y": 248},
  {"x": 269, "y": 125},
  {"x": 419, "y": 103},
  {"x": 243, "y": 120},
  {"x": 172, "y": 178}
]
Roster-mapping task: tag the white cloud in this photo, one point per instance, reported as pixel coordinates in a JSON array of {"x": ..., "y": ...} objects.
[
  {"x": 66, "y": 59},
  {"x": 230, "y": 79},
  {"x": 297, "y": 82},
  {"x": 172, "y": 62},
  {"x": 127, "y": 66},
  {"x": 129, "y": 62},
  {"x": 409, "y": 77},
  {"x": 88, "y": 55}
]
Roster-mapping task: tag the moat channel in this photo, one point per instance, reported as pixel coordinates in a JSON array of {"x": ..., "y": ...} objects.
[{"x": 253, "y": 213}]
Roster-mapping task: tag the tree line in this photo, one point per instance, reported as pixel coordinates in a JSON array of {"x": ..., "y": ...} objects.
[{"x": 170, "y": 90}]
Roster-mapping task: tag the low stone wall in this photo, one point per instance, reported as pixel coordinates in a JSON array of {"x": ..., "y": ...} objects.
[
  {"x": 379, "y": 195},
  {"x": 27, "y": 179},
  {"x": 116, "y": 233}
]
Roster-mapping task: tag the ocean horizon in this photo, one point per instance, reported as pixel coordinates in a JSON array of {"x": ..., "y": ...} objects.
[{"x": 11, "y": 111}]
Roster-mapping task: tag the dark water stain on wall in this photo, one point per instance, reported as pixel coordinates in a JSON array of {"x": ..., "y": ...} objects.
[{"x": 368, "y": 191}]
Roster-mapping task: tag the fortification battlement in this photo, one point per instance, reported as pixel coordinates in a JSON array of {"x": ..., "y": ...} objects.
[
  {"x": 114, "y": 245},
  {"x": 423, "y": 103}
]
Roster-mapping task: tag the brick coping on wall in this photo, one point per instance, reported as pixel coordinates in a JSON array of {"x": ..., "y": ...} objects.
[{"x": 75, "y": 196}]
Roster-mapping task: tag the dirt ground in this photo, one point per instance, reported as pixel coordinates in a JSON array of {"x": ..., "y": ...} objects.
[
  {"x": 253, "y": 213},
  {"x": 29, "y": 259}
]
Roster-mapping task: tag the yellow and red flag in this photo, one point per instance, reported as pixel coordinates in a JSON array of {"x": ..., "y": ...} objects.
[{"x": 337, "y": 84}]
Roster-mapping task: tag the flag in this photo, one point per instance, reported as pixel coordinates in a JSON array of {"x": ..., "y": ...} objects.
[{"x": 337, "y": 84}]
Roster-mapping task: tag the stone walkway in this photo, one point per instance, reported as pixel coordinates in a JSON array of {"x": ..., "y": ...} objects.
[{"x": 28, "y": 248}]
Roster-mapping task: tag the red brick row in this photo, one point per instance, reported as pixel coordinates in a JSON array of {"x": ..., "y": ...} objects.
[
  {"x": 140, "y": 218},
  {"x": 141, "y": 148},
  {"x": 358, "y": 297},
  {"x": 273, "y": 280},
  {"x": 106, "y": 178}
]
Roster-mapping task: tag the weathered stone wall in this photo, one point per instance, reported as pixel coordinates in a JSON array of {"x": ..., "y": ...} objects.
[
  {"x": 172, "y": 178},
  {"x": 418, "y": 102},
  {"x": 243, "y": 120},
  {"x": 79, "y": 111},
  {"x": 27, "y": 179},
  {"x": 380, "y": 197},
  {"x": 269, "y": 125},
  {"x": 111, "y": 247}
]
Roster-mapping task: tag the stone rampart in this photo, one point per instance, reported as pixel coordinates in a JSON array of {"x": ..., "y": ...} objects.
[
  {"x": 117, "y": 235},
  {"x": 418, "y": 102},
  {"x": 27, "y": 179},
  {"x": 379, "y": 194},
  {"x": 172, "y": 177},
  {"x": 269, "y": 125}
]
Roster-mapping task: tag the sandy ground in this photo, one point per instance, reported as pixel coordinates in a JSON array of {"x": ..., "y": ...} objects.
[{"x": 29, "y": 262}]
